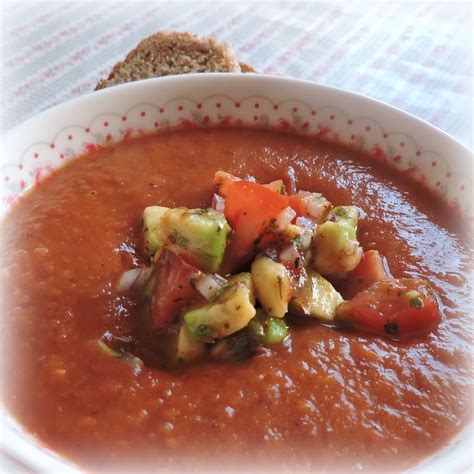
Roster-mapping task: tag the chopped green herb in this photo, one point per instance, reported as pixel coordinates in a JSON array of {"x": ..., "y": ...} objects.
[
  {"x": 416, "y": 303},
  {"x": 108, "y": 350},
  {"x": 196, "y": 212},
  {"x": 391, "y": 328},
  {"x": 238, "y": 346},
  {"x": 181, "y": 241},
  {"x": 341, "y": 212},
  {"x": 204, "y": 333},
  {"x": 280, "y": 284},
  {"x": 297, "y": 240}
]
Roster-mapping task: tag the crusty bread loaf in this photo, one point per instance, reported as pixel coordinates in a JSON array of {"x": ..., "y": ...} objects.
[{"x": 166, "y": 53}]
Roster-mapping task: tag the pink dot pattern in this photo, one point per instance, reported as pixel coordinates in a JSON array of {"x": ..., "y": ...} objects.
[{"x": 324, "y": 122}]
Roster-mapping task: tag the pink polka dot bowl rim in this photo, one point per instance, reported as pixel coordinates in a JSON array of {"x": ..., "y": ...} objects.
[{"x": 410, "y": 146}]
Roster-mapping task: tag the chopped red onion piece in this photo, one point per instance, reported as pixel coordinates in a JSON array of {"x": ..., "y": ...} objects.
[
  {"x": 306, "y": 238},
  {"x": 305, "y": 223},
  {"x": 218, "y": 203},
  {"x": 209, "y": 285},
  {"x": 283, "y": 220},
  {"x": 289, "y": 255},
  {"x": 276, "y": 186},
  {"x": 134, "y": 279},
  {"x": 308, "y": 227},
  {"x": 316, "y": 205}
]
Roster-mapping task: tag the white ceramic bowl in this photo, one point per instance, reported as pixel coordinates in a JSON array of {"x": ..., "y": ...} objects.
[{"x": 409, "y": 145}]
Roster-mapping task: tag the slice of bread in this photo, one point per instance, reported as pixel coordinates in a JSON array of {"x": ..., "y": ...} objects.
[{"x": 166, "y": 53}]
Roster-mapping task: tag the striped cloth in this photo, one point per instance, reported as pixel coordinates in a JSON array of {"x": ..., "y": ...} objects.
[{"x": 414, "y": 55}]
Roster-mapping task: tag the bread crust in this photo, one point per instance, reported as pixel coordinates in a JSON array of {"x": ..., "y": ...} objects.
[{"x": 166, "y": 53}]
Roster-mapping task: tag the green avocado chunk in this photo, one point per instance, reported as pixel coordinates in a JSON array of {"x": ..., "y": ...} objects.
[
  {"x": 337, "y": 248},
  {"x": 198, "y": 235},
  {"x": 227, "y": 313},
  {"x": 187, "y": 347},
  {"x": 347, "y": 214},
  {"x": 152, "y": 216},
  {"x": 318, "y": 299}
]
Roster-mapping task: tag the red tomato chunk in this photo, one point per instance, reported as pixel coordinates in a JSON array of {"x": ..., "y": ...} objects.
[
  {"x": 173, "y": 288},
  {"x": 394, "y": 308}
]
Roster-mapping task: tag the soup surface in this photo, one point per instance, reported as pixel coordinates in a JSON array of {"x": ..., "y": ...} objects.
[{"x": 324, "y": 399}]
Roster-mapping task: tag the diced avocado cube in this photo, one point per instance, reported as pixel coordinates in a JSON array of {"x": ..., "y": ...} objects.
[
  {"x": 188, "y": 348},
  {"x": 246, "y": 279},
  {"x": 151, "y": 221},
  {"x": 198, "y": 235},
  {"x": 336, "y": 248},
  {"x": 347, "y": 214},
  {"x": 318, "y": 298},
  {"x": 272, "y": 285},
  {"x": 230, "y": 311}
]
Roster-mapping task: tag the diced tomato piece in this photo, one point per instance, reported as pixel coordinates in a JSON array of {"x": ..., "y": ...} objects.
[
  {"x": 173, "y": 289},
  {"x": 249, "y": 209},
  {"x": 298, "y": 205},
  {"x": 373, "y": 267},
  {"x": 393, "y": 308}
]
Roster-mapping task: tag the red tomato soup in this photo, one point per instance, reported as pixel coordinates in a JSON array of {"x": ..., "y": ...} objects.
[{"x": 324, "y": 399}]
